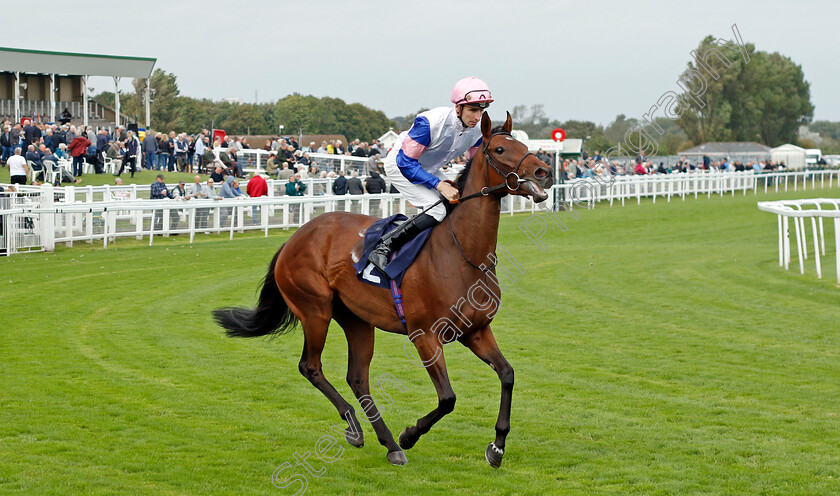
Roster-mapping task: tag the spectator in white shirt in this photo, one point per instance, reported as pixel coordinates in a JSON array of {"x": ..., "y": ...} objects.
[{"x": 18, "y": 170}]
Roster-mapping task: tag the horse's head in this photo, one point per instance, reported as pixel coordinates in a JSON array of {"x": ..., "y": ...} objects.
[{"x": 508, "y": 161}]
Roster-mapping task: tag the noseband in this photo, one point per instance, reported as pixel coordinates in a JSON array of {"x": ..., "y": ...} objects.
[{"x": 498, "y": 167}]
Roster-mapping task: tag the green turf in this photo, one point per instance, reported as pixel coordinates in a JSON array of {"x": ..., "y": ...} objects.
[{"x": 659, "y": 349}]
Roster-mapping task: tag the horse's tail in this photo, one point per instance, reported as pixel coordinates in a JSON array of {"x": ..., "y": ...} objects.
[{"x": 271, "y": 315}]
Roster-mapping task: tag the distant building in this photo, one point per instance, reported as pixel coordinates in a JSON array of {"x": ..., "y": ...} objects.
[
  {"x": 388, "y": 139},
  {"x": 232, "y": 99},
  {"x": 568, "y": 148},
  {"x": 735, "y": 151}
]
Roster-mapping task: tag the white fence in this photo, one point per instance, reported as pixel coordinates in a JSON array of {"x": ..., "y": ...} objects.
[
  {"x": 682, "y": 185},
  {"x": 314, "y": 187},
  {"x": 252, "y": 159},
  {"x": 799, "y": 211},
  {"x": 615, "y": 188},
  {"x": 38, "y": 217},
  {"x": 20, "y": 231},
  {"x": 105, "y": 221}
]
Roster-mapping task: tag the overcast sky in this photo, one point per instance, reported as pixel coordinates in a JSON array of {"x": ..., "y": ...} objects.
[{"x": 588, "y": 60}]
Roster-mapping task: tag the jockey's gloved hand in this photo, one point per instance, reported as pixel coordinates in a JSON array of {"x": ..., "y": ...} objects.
[{"x": 449, "y": 191}]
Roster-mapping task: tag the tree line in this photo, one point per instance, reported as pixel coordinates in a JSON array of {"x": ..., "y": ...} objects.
[
  {"x": 759, "y": 96},
  {"x": 296, "y": 113}
]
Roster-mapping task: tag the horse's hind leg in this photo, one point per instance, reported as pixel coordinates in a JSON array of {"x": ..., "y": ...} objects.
[
  {"x": 315, "y": 332},
  {"x": 431, "y": 354},
  {"x": 360, "y": 339}
]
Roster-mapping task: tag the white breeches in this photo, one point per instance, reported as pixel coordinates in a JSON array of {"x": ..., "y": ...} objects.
[{"x": 417, "y": 194}]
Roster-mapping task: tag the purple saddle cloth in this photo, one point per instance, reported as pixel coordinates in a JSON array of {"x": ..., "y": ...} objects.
[{"x": 401, "y": 260}]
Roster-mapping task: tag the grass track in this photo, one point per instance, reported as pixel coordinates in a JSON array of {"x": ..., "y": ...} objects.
[{"x": 659, "y": 349}]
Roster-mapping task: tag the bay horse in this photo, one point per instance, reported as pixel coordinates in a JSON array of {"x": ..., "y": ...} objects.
[{"x": 311, "y": 280}]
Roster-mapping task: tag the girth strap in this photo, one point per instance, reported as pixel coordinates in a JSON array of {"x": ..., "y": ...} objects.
[{"x": 396, "y": 293}]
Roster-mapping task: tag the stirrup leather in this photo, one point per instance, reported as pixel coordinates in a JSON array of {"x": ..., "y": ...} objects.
[{"x": 394, "y": 240}]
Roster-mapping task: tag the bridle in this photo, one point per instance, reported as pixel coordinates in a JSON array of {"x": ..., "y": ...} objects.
[
  {"x": 486, "y": 190},
  {"x": 507, "y": 175}
]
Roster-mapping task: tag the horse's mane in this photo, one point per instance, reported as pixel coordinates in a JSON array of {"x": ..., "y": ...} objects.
[{"x": 461, "y": 180}]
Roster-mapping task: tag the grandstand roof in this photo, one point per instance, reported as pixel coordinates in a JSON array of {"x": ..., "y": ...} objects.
[
  {"x": 76, "y": 64},
  {"x": 728, "y": 148}
]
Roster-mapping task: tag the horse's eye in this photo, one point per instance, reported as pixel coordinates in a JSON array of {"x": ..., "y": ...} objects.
[{"x": 500, "y": 150}]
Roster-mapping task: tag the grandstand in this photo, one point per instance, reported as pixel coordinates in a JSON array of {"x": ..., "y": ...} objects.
[{"x": 40, "y": 84}]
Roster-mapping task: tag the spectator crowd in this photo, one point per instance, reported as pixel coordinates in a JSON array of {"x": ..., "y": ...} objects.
[
  {"x": 28, "y": 146},
  {"x": 131, "y": 152},
  {"x": 590, "y": 166}
]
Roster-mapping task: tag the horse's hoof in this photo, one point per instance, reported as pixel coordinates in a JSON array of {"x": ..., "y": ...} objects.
[
  {"x": 397, "y": 458},
  {"x": 405, "y": 443},
  {"x": 494, "y": 455},
  {"x": 355, "y": 440}
]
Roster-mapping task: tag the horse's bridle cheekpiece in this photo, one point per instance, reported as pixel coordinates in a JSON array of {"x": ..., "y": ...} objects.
[
  {"x": 507, "y": 175},
  {"x": 486, "y": 190}
]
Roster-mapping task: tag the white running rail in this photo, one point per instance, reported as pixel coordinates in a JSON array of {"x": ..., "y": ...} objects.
[
  {"x": 799, "y": 211},
  {"x": 68, "y": 222},
  {"x": 94, "y": 213}
]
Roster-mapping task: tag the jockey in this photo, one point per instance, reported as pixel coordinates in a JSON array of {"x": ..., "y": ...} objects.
[{"x": 413, "y": 165}]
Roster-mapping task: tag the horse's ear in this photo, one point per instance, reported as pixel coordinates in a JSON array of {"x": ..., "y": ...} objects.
[
  {"x": 486, "y": 126},
  {"x": 508, "y": 123}
]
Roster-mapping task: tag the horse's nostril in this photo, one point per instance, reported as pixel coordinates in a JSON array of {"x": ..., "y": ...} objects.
[{"x": 541, "y": 173}]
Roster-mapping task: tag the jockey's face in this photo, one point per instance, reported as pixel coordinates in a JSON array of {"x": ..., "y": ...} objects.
[{"x": 470, "y": 115}]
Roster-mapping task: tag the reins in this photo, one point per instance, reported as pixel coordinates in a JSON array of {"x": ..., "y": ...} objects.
[
  {"x": 485, "y": 191},
  {"x": 481, "y": 267}
]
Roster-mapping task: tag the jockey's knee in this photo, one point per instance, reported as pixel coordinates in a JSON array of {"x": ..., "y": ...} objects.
[{"x": 438, "y": 212}]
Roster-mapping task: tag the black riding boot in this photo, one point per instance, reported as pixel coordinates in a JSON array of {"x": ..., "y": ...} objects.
[{"x": 380, "y": 257}]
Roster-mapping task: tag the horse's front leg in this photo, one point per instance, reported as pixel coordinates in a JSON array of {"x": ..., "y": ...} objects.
[
  {"x": 431, "y": 357},
  {"x": 484, "y": 345}
]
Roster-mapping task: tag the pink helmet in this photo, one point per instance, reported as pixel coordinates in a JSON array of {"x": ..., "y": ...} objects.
[{"x": 471, "y": 91}]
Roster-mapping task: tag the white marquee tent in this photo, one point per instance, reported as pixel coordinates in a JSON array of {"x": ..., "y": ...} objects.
[{"x": 792, "y": 155}]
